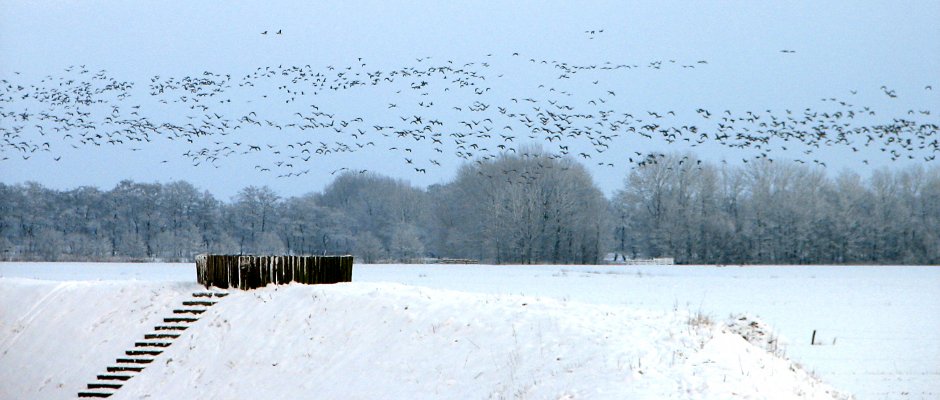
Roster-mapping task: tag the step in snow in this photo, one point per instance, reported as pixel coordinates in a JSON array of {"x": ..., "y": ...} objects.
[
  {"x": 189, "y": 311},
  {"x": 170, "y": 328},
  {"x": 134, "y": 360},
  {"x": 205, "y": 303},
  {"x": 94, "y": 394},
  {"x": 209, "y": 294},
  {"x": 179, "y": 319},
  {"x": 104, "y": 386},
  {"x": 161, "y": 336},
  {"x": 152, "y": 344},
  {"x": 124, "y": 369},
  {"x": 114, "y": 377},
  {"x": 143, "y": 352}
]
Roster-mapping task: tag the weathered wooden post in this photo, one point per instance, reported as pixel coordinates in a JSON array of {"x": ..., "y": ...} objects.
[{"x": 201, "y": 266}]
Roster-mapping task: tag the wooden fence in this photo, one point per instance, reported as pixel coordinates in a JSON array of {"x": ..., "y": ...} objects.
[
  {"x": 648, "y": 261},
  {"x": 250, "y": 272},
  {"x": 456, "y": 261}
]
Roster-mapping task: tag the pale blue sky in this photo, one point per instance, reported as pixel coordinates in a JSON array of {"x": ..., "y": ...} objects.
[{"x": 839, "y": 47}]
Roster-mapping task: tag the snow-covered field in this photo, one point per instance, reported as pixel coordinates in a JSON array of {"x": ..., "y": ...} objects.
[{"x": 435, "y": 331}]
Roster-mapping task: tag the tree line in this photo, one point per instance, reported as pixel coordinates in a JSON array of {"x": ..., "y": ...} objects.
[{"x": 523, "y": 208}]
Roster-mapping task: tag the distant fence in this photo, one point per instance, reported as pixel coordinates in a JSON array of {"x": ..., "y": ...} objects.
[
  {"x": 456, "y": 261},
  {"x": 250, "y": 272},
  {"x": 646, "y": 261}
]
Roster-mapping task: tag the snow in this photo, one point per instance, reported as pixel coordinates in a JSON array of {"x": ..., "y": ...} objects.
[
  {"x": 434, "y": 331},
  {"x": 56, "y": 336}
]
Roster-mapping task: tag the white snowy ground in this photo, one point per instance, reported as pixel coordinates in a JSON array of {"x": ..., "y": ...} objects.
[{"x": 510, "y": 332}]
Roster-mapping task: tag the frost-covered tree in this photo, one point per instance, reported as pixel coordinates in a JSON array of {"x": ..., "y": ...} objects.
[
  {"x": 251, "y": 216},
  {"x": 525, "y": 208},
  {"x": 376, "y": 205},
  {"x": 308, "y": 228},
  {"x": 529, "y": 207},
  {"x": 368, "y": 248}
]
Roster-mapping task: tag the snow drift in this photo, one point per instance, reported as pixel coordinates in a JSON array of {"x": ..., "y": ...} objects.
[{"x": 378, "y": 340}]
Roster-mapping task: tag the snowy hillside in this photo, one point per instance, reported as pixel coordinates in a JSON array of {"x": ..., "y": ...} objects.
[
  {"x": 377, "y": 340},
  {"x": 56, "y": 336}
]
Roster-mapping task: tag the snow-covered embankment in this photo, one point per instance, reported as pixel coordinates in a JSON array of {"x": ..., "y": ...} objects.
[{"x": 378, "y": 340}]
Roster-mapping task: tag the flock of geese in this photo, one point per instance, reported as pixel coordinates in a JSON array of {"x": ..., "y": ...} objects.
[{"x": 285, "y": 118}]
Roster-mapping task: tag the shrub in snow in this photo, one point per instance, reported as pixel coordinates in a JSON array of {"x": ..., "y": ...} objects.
[{"x": 755, "y": 332}]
